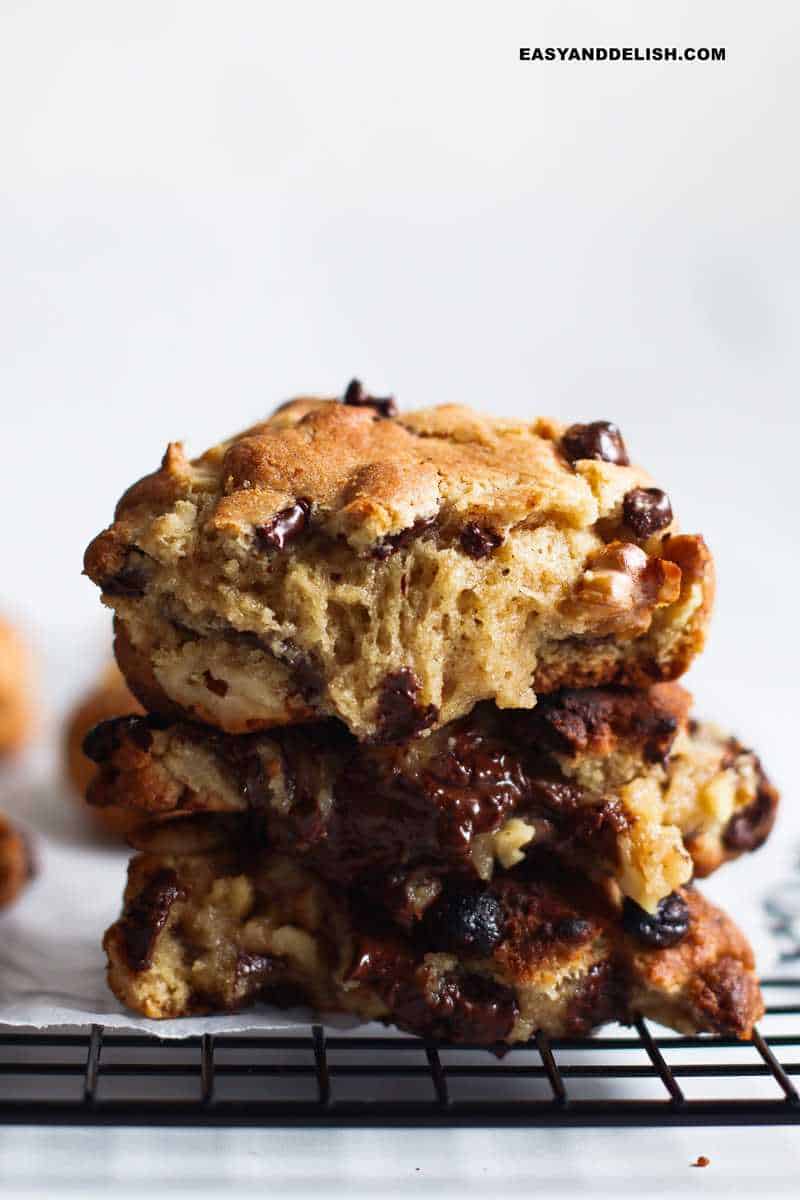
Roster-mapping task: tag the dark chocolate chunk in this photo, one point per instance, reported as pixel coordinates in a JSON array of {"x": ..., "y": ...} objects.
[
  {"x": 558, "y": 797},
  {"x": 398, "y": 541},
  {"x": 399, "y": 715},
  {"x": 477, "y": 541},
  {"x": 356, "y": 397},
  {"x": 146, "y": 916},
  {"x": 131, "y": 580},
  {"x": 576, "y": 720},
  {"x": 572, "y": 929},
  {"x": 102, "y": 741},
  {"x": 667, "y": 926},
  {"x": 218, "y": 686},
  {"x": 285, "y": 525},
  {"x": 465, "y": 920},
  {"x": 646, "y": 510},
  {"x": 307, "y": 677},
  {"x": 482, "y": 1010},
  {"x": 595, "y": 1001},
  {"x": 386, "y": 816},
  {"x": 598, "y": 439},
  {"x": 749, "y": 828},
  {"x": 455, "y": 1007}
]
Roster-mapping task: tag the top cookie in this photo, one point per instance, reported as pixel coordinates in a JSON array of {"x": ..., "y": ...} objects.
[{"x": 392, "y": 570}]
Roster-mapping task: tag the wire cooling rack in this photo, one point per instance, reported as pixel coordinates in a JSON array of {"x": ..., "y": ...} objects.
[{"x": 632, "y": 1076}]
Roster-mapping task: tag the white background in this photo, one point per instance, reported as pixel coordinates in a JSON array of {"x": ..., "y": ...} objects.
[{"x": 205, "y": 207}]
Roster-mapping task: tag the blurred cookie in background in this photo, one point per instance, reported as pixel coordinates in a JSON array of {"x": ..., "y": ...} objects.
[
  {"x": 16, "y": 691},
  {"x": 16, "y": 866},
  {"x": 108, "y": 698}
]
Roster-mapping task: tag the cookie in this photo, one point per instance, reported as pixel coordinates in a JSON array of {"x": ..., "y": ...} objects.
[
  {"x": 109, "y": 698},
  {"x": 392, "y": 570},
  {"x": 16, "y": 701},
  {"x": 16, "y": 865},
  {"x": 216, "y": 930},
  {"x": 612, "y": 782}
]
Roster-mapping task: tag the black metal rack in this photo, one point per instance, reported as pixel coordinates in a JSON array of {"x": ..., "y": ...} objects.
[{"x": 626, "y": 1077}]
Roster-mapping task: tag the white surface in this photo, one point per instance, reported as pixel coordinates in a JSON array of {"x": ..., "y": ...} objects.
[
  {"x": 475, "y": 1164},
  {"x": 206, "y": 207}
]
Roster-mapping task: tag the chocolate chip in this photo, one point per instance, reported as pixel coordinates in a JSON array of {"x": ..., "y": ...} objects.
[
  {"x": 399, "y": 541},
  {"x": 130, "y": 581},
  {"x": 599, "y": 439},
  {"x": 477, "y": 1009},
  {"x": 285, "y": 525},
  {"x": 146, "y": 916},
  {"x": 572, "y": 929},
  {"x": 399, "y": 715},
  {"x": 667, "y": 926},
  {"x": 455, "y": 1007},
  {"x": 646, "y": 510},
  {"x": 594, "y": 1001},
  {"x": 218, "y": 686},
  {"x": 102, "y": 741},
  {"x": 477, "y": 541},
  {"x": 356, "y": 397},
  {"x": 465, "y": 921},
  {"x": 748, "y": 829}
]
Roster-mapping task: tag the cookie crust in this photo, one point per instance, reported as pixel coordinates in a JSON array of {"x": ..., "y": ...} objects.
[
  {"x": 217, "y": 930},
  {"x": 296, "y": 571},
  {"x": 611, "y": 782}
]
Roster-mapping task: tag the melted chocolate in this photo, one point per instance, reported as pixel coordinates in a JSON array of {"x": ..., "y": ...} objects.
[
  {"x": 478, "y": 541},
  {"x": 146, "y": 916},
  {"x": 105, "y": 739},
  {"x": 459, "y": 1007},
  {"x": 286, "y": 525},
  {"x": 749, "y": 828},
  {"x": 399, "y": 541},
  {"x": 400, "y": 716},
  {"x": 382, "y": 818}
]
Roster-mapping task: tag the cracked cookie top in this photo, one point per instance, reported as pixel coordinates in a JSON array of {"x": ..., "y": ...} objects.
[{"x": 350, "y": 472}]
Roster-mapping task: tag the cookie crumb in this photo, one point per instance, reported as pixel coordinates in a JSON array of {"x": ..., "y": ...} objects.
[{"x": 701, "y": 1161}]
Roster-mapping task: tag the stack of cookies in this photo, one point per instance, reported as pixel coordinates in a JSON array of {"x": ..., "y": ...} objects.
[{"x": 411, "y": 748}]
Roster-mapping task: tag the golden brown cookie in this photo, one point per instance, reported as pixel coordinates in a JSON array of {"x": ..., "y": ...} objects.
[
  {"x": 613, "y": 782},
  {"x": 392, "y": 570},
  {"x": 16, "y": 691},
  {"x": 109, "y": 698},
  {"x": 16, "y": 866},
  {"x": 209, "y": 928}
]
